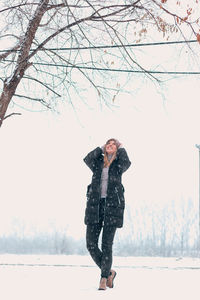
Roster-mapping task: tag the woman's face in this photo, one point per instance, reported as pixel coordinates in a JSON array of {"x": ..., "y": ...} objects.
[{"x": 111, "y": 147}]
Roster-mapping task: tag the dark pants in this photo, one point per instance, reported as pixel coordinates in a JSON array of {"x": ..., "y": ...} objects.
[{"x": 103, "y": 257}]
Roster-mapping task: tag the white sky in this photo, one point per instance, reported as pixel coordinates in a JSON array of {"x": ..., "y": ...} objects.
[{"x": 43, "y": 178}]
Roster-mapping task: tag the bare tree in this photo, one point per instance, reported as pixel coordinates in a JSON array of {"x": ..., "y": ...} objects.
[{"x": 53, "y": 48}]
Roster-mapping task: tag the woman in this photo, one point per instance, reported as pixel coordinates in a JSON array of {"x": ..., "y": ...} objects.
[{"x": 105, "y": 204}]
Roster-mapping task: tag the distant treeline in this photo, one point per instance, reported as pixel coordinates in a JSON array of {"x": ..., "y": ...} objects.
[
  {"x": 149, "y": 231},
  {"x": 42, "y": 244}
]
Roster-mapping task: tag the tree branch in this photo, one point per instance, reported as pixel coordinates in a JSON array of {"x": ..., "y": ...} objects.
[
  {"x": 34, "y": 99},
  {"x": 12, "y": 114},
  {"x": 8, "y": 52},
  {"x": 45, "y": 85},
  {"x": 77, "y": 22},
  {"x": 17, "y": 6}
]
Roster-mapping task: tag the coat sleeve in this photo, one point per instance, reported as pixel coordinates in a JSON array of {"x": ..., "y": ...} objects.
[
  {"x": 123, "y": 160},
  {"x": 91, "y": 158}
]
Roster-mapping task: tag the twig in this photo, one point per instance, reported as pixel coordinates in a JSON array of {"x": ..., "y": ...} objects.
[{"x": 12, "y": 114}]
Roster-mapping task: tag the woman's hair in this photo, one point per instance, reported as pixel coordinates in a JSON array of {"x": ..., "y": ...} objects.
[{"x": 108, "y": 162}]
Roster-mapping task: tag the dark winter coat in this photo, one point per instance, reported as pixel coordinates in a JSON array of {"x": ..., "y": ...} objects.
[{"x": 115, "y": 202}]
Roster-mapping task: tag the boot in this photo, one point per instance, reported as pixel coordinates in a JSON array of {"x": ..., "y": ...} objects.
[
  {"x": 102, "y": 284},
  {"x": 110, "y": 280}
]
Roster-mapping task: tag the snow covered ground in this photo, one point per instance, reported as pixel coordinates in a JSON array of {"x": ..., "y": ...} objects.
[{"x": 76, "y": 277}]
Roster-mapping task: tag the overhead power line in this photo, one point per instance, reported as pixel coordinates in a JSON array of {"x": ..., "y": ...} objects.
[
  {"x": 122, "y": 46},
  {"x": 108, "y": 46},
  {"x": 127, "y": 45},
  {"x": 115, "y": 70},
  {"x": 121, "y": 70}
]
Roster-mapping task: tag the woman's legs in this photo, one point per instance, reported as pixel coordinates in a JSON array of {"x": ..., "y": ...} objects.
[
  {"x": 107, "y": 243},
  {"x": 103, "y": 258},
  {"x": 92, "y": 237}
]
